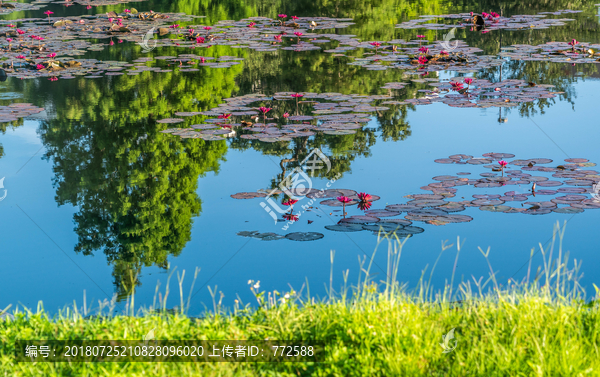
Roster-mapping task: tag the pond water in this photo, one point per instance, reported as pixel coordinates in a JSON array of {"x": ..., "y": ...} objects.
[{"x": 99, "y": 200}]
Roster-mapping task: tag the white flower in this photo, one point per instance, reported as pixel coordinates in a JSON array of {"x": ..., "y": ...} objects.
[
  {"x": 249, "y": 282},
  {"x": 257, "y": 285},
  {"x": 287, "y": 295}
]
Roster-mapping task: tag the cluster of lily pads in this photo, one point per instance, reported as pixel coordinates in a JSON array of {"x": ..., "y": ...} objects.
[
  {"x": 15, "y": 111},
  {"x": 481, "y": 93},
  {"x": 434, "y": 208},
  {"x": 9, "y": 7},
  {"x": 557, "y": 52},
  {"x": 338, "y": 115},
  {"x": 489, "y": 21},
  {"x": 27, "y": 46}
]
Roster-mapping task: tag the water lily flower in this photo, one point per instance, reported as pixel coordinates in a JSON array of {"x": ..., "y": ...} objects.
[
  {"x": 420, "y": 36},
  {"x": 364, "y": 206},
  {"x": 484, "y": 15},
  {"x": 174, "y": 26},
  {"x": 456, "y": 86},
  {"x": 298, "y": 34},
  {"x": 290, "y": 217},
  {"x": 48, "y": 13},
  {"x": 502, "y": 163},
  {"x": 88, "y": 7},
  {"x": 81, "y": 22},
  {"x": 52, "y": 55},
  {"x": 252, "y": 24},
  {"x": 207, "y": 28},
  {"x": 54, "y": 78},
  {"x": 290, "y": 202},
  {"x": 295, "y": 18},
  {"x": 468, "y": 81},
  {"x": 286, "y": 115},
  {"x": 127, "y": 11},
  {"x": 282, "y": 15},
  {"x": 111, "y": 42},
  {"x": 20, "y": 32},
  {"x": 444, "y": 53},
  {"x": 199, "y": 40},
  {"x": 422, "y": 59},
  {"x": 264, "y": 110},
  {"x": 423, "y": 50},
  {"x": 20, "y": 56},
  {"x": 277, "y": 38},
  {"x": 344, "y": 200},
  {"x": 297, "y": 95},
  {"x": 40, "y": 66},
  {"x": 224, "y": 116},
  {"x": 202, "y": 60},
  {"x": 364, "y": 197},
  {"x": 494, "y": 14},
  {"x": 120, "y": 41},
  {"x": 11, "y": 25}
]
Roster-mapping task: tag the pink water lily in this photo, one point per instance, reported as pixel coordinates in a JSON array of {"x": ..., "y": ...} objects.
[
  {"x": 252, "y": 24},
  {"x": 264, "y": 111},
  {"x": 88, "y": 7},
  {"x": 207, "y": 28},
  {"x": 422, "y": 59},
  {"x": 40, "y": 66},
  {"x": 277, "y": 38},
  {"x": 127, "y": 11},
  {"x": 456, "y": 86},
  {"x": 444, "y": 53},
  {"x": 20, "y": 56},
  {"x": 364, "y": 197},
  {"x": 282, "y": 15},
  {"x": 468, "y": 81},
  {"x": 423, "y": 50},
  {"x": 20, "y": 32},
  {"x": 199, "y": 40},
  {"x": 53, "y": 78},
  {"x": 286, "y": 115},
  {"x": 344, "y": 200},
  {"x": 297, "y": 95},
  {"x": 502, "y": 165},
  {"x": 295, "y": 18},
  {"x": 224, "y": 116}
]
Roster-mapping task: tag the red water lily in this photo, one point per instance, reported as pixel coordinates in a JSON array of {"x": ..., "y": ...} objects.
[
  {"x": 422, "y": 59},
  {"x": 224, "y": 116},
  {"x": 290, "y": 217},
  {"x": 364, "y": 206},
  {"x": 344, "y": 200},
  {"x": 290, "y": 202},
  {"x": 456, "y": 86},
  {"x": 364, "y": 197}
]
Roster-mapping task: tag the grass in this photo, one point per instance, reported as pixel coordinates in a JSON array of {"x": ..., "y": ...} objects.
[{"x": 538, "y": 327}]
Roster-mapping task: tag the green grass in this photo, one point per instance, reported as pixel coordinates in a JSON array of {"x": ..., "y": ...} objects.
[{"x": 540, "y": 327}]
